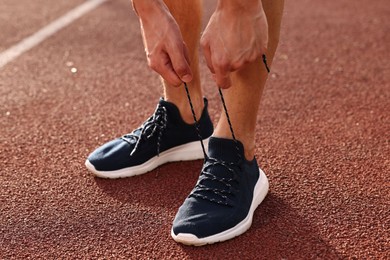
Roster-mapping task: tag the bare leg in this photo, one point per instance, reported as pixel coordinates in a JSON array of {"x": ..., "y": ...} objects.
[
  {"x": 188, "y": 15},
  {"x": 243, "y": 98}
]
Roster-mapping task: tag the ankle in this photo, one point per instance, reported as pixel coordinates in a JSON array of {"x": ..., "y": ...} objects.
[
  {"x": 185, "y": 108},
  {"x": 247, "y": 141},
  {"x": 249, "y": 152}
]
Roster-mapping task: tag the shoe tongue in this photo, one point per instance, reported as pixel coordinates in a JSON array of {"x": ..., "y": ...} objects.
[
  {"x": 225, "y": 149},
  {"x": 172, "y": 110},
  {"x": 163, "y": 102}
]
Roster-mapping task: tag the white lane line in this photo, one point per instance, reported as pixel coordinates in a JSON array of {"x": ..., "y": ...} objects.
[{"x": 26, "y": 44}]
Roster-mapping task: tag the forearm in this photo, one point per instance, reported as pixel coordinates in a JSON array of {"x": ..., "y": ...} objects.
[
  {"x": 145, "y": 8},
  {"x": 164, "y": 46}
]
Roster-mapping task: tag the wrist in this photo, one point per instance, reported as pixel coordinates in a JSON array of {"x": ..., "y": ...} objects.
[{"x": 144, "y": 8}]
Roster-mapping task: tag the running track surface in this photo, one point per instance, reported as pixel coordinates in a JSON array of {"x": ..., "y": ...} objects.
[{"x": 323, "y": 139}]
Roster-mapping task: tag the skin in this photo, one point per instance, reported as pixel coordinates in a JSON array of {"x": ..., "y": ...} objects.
[
  {"x": 236, "y": 36},
  {"x": 165, "y": 48}
]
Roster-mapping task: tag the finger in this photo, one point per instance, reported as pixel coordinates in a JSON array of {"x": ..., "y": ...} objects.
[
  {"x": 237, "y": 65},
  {"x": 222, "y": 78},
  {"x": 170, "y": 75},
  {"x": 180, "y": 63},
  {"x": 164, "y": 67},
  {"x": 207, "y": 56}
]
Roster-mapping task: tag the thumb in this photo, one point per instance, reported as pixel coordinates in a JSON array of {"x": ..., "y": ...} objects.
[
  {"x": 222, "y": 79},
  {"x": 181, "y": 64}
]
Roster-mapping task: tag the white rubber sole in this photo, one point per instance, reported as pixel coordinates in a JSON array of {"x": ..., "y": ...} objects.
[
  {"x": 185, "y": 152},
  {"x": 260, "y": 191}
]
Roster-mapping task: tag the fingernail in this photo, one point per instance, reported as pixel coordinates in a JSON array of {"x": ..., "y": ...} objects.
[{"x": 186, "y": 78}]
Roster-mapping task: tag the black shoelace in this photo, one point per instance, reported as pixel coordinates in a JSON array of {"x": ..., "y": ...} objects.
[
  {"x": 157, "y": 123},
  {"x": 228, "y": 183}
]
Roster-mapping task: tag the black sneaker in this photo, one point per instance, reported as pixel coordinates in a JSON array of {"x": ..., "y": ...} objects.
[
  {"x": 163, "y": 138},
  {"x": 222, "y": 203}
]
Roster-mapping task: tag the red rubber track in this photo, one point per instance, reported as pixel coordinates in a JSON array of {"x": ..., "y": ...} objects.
[
  {"x": 21, "y": 18},
  {"x": 323, "y": 139}
]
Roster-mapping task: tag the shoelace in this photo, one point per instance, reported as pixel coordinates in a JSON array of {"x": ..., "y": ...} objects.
[
  {"x": 221, "y": 193},
  {"x": 156, "y": 123},
  {"x": 228, "y": 183}
]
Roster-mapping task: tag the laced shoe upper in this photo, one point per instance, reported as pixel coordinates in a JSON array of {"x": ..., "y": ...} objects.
[
  {"x": 223, "y": 194},
  {"x": 165, "y": 129},
  {"x": 156, "y": 124},
  {"x": 216, "y": 187}
]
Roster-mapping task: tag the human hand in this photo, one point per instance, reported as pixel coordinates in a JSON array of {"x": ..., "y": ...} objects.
[
  {"x": 167, "y": 54},
  {"x": 236, "y": 34}
]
